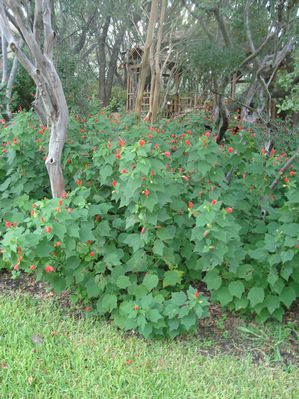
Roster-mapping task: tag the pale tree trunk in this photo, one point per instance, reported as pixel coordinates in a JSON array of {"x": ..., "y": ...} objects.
[
  {"x": 4, "y": 59},
  {"x": 40, "y": 66},
  {"x": 157, "y": 75},
  {"x": 10, "y": 83},
  {"x": 146, "y": 54},
  {"x": 101, "y": 57}
]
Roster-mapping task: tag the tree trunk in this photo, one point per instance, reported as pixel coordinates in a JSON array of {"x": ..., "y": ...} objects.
[
  {"x": 146, "y": 54},
  {"x": 156, "y": 92},
  {"x": 4, "y": 59},
  {"x": 101, "y": 56},
  {"x": 45, "y": 76},
  {"x": 10, "y": 83},
  {"x": 113, "y": 64}
]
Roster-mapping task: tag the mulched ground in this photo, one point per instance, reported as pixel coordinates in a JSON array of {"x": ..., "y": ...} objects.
[{"x": 220, "y": 333}]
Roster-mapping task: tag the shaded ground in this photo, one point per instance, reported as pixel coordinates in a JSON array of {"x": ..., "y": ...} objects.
[{"x": 223, "y": 333}]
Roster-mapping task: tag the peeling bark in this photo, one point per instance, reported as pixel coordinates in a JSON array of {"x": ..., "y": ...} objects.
[{"x": 42, "y": 70}]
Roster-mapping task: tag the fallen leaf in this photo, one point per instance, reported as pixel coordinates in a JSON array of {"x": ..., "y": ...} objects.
[{"x": 37, "y": 340}]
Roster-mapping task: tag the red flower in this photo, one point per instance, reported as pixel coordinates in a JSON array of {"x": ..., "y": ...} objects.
[
  {"x": 230, "y": 150},
  {"x": 207, "y": 134},
  {"x": 121, "y": 143},
  {"x": 114, "y": 183},
  {"x": 292, "y": 173},
  {"x": 32, "y": 267},
  {"x": 146, "y": 192},
  {"x": 57, "y": 244},
  {"x": 187, "y": 142},
  {"x": 16, "y": 267},
  {"x": 60, "y": 202},
  {"x": 190, "y": 204},
  {"x": 156, "y": 146},
  {"x": 142, "y": 231},
  {"x": 214, "y": 202},
  {"x": 78, "y": 182},
  {"x": 48, "y": 229},
  {"x": 141, "y": 143},
  {"x": 117, "y": 155},
  {"x": 286, "y": 179},
  {"x": 15, "y": 140},
  {"x": 167, "y": 153},
  {"x": 124, "y": 171},
  {"x": 49, "y": 269},
  {"x": 135, "y": 307},
  {"x": 8, "y": 224},
  {"x": 263, "y": 151},
  {"x": 196, "y": 294},
  {"x": 229, "y": 210},
  {"x": 91, "y": 254}
]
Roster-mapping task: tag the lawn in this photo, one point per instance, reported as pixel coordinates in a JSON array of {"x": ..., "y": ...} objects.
[{"x": 49, "y": 354}]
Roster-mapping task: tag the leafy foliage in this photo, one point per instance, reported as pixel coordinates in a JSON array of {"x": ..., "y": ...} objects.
[{"x": 149, "y": 214}]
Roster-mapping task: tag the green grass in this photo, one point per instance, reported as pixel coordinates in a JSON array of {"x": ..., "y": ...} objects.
[{"x": 85, "y": 359}]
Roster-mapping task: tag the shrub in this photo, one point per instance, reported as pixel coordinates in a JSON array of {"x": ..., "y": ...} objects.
[{"x": 152, "y": 212}]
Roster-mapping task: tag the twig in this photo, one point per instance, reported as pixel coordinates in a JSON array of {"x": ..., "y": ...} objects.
[{"x": 283, "y": 169}]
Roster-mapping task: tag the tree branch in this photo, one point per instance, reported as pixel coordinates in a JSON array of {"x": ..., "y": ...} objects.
[{"x": 284, "y": 168}]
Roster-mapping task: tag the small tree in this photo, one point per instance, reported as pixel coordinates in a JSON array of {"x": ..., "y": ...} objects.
[{"x": 39, "y": 40}]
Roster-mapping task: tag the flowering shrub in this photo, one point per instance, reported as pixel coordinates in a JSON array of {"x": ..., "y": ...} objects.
[{"x": 150, "y": 213}]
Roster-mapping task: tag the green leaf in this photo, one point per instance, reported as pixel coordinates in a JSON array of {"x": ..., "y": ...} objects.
[
  {"x": 59, "y": 230},
  {"x": 173, "y": 324},
  {"x": 166, "y": 233},
  {"x": 123, "y": 282},
  {"x": 241, "y": 303},
  {"x": 272, "y": 302},
  {"x": 92, "y": 288},
  {"x": 44, "y": 249},
  {"x": 134, "y": 241},
  {"x": 150, "y": 281},
  {"x": 153, "y": 315},
  {"x": 105, "y": 172},
  {"x": 146, "y": 330},
  {"x": 213, "y": 280},
  {"x": 139, "y": 291},
  {"x": 188, "y": 321},
  {"x": 256, "y": 295},
  {"x": 287, "y": 296},
  {"x": 171, "y": 277},
  {"x": 86, "y": 232},
  {"x": 108, "y": 302},
  {"x": 100, "y": 209},
  {"x": 236, "y": 288},
  {"x": 178, "y": 298},
  {"x": 224, "y": 296},
  {"x": 158, "y": 247}
]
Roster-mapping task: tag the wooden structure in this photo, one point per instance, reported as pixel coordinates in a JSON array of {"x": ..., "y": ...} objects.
[{"x": 172, "y": 102}]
